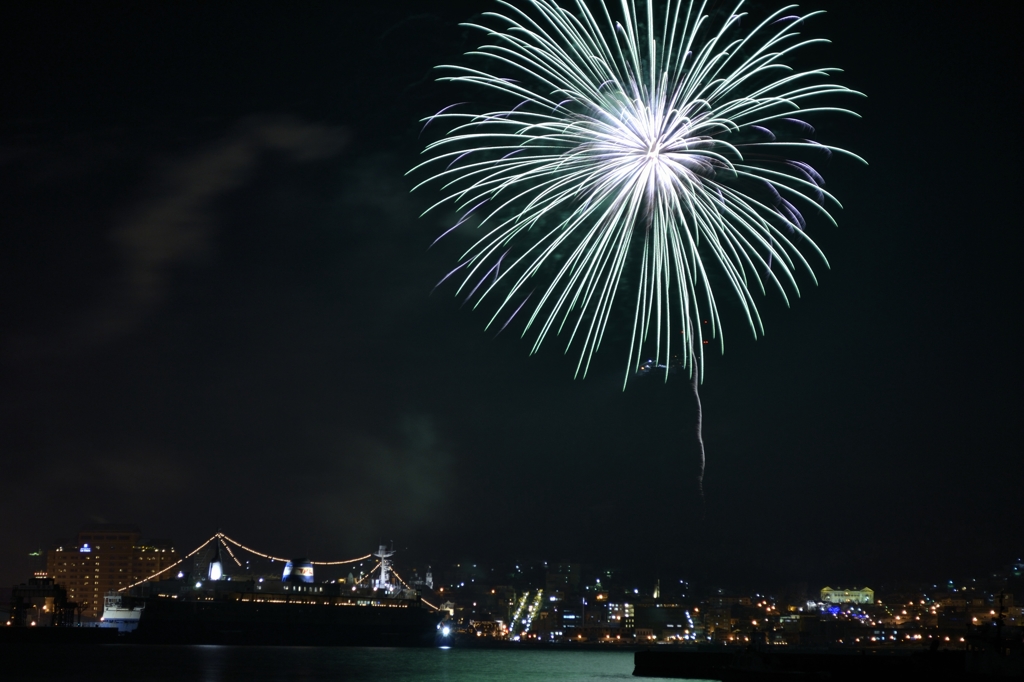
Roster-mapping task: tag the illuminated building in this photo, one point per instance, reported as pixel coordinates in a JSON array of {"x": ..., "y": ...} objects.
[
  {"x": 854, "y": 596},
  {"x": 622, "y": 616},
  {"x": 103, "y": 558}
]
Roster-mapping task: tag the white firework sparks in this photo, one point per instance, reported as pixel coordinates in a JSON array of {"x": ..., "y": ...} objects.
[{"x": 650, "y": 149}]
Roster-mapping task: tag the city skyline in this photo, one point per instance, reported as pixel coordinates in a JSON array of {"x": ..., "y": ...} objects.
[
  {"x": 220, "y": 313},
  {"x": 550, "y": 602}
]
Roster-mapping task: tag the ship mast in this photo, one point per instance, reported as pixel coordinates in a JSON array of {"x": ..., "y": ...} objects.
[{"x": 384, "y": 581}]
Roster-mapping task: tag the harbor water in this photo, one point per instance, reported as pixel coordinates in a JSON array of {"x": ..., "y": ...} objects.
[{"x": 114, "y": 663}]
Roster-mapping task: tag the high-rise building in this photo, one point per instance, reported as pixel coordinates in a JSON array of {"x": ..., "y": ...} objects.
[
  {"x": 563, "y": 578},
  {"x": 106, "y": 557}
]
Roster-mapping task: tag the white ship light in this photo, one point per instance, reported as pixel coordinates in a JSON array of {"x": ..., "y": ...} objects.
[{"x": 216, "y": 568}]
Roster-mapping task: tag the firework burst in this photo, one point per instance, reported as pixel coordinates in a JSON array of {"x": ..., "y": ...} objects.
[{"x": 638, "y": 153}]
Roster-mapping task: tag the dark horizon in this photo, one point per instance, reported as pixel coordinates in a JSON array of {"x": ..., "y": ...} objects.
[{"x": 218, "y": 313}]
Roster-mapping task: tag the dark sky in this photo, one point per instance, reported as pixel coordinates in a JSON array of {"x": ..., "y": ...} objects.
[{"x": 216, "y": 311}]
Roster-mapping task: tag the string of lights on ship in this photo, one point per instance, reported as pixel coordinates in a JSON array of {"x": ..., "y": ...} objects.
[{"x": 226, "y": 542}]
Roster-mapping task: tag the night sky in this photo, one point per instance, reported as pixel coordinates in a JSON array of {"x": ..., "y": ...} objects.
[{"x": 216, "y": 312}]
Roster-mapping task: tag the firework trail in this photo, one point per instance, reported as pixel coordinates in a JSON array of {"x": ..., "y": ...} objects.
[
  {"x": 695, "y": 383},
  {"x": 636, "y": 152}
]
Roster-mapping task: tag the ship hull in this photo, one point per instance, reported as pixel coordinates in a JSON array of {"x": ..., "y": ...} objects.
[{"x": 174, "y": 621}]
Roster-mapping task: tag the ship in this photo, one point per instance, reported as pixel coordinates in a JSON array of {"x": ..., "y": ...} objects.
[
  {"x": 117, "y": 615},
  {"x": 294, "y": 610}
]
